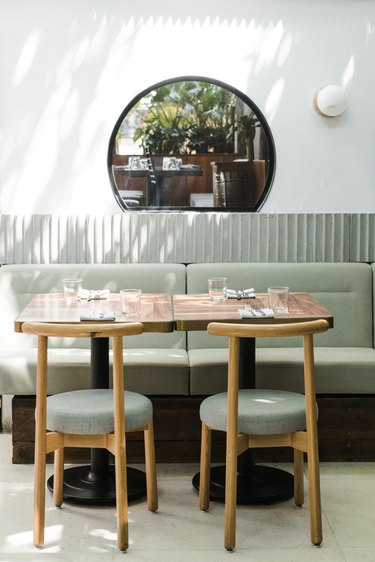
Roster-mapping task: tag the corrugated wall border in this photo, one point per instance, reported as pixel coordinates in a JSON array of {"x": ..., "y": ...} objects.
[{"x": 187, "y": 238}]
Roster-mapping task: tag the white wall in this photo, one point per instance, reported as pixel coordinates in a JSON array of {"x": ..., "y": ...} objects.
[{"x": 69, "y": 67}]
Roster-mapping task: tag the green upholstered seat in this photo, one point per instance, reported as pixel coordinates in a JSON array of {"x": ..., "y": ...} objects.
[
  {"x": 260, "y": 412},
  {"x": 91, "y": 411}
]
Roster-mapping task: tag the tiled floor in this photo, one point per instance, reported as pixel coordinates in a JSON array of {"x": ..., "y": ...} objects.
[{"x": 179, "y": 532}]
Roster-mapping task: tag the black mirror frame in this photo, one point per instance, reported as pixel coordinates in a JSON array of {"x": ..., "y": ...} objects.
[{"x": 238, "y": 93}]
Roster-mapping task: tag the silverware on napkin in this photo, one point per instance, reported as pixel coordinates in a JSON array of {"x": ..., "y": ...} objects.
[
  {"x": 245, "y": 294},
  {"x": 93, "y": 294},
  {"x": 254, "y": 312},
  {"x": 99, "y": 317}
]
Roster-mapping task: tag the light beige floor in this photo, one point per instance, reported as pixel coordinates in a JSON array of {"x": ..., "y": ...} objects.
[{"x": 179, "y": 532}]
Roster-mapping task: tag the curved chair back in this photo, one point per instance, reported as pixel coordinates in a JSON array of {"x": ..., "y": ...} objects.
[
  {"x": 58, "y": 438},
  {"x": 87, "y": 330},
  {"x": 302, "y": 441},
  {"x": 267, "y": 330}
]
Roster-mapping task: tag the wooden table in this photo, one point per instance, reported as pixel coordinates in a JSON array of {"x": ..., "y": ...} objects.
[
  {"x": 95, "y": 484},
  {"x": 255, "y": 484},
  {"x": 156, "y": 313}
]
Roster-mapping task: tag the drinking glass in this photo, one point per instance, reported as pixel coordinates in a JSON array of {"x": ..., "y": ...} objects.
[
  {"x": 217, "y": 288},
  {"x": 278, "y": 299},
  {"x": 170, "y": 163},
  {"x": 135, "y": 162},
  {"x": 131, "y": 301},
  {"x": 71, "y": 287}
]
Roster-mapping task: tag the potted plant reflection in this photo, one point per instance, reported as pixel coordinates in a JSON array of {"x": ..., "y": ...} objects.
[{"x": 200, "y": 124}]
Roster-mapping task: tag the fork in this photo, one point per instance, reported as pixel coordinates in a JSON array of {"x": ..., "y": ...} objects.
[{"x": 255, "y": 311}]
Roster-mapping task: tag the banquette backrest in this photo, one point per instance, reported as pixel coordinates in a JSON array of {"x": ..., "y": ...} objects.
[
  {"x": 345, "y": 289},
  {"x": 18, "y": 284}
]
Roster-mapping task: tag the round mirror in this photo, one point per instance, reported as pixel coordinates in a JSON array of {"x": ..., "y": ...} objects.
[{"x": 191, "y": 143}]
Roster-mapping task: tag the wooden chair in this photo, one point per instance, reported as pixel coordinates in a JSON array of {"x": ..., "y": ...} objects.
[
  {"x": 263, "y": 418},
  {"x": 89, "y": 418}
]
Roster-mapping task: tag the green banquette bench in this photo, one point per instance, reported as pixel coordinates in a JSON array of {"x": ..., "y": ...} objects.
[{"x": 177, "y": 370}]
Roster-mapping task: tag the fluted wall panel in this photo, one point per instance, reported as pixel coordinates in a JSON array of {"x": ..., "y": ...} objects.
[
  {"x": 186, "y": 238},
  {"x": 362, "y": 238}
]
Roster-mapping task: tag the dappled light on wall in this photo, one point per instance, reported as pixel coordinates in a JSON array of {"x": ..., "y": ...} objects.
[{"x": 26, "y": 58}]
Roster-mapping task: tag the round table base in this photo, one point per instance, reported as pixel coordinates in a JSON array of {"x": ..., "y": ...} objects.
[
  {"x": 261, "y": 485},
  {"x": 81, "y": 486}
]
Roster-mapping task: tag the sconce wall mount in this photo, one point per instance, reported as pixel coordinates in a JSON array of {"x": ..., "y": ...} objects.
[{"x": 330, "y": 101}]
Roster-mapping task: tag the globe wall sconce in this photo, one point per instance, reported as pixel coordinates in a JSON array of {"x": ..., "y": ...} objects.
[{"x": 330, "y": 101}]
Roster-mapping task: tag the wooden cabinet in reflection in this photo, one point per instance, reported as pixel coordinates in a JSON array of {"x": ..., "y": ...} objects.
[{"x": 238, "y": 184}]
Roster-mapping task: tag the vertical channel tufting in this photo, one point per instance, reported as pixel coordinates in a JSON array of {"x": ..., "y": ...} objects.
[
  {"x": 362, "y": 237},
  {"x": 186, "y": 238}
]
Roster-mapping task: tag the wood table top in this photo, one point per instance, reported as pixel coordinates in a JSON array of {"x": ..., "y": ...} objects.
[
  {"x": 164, "y": 313},
  {"x": 196, "y": 311},
  {"x": 156, "y": 310}
]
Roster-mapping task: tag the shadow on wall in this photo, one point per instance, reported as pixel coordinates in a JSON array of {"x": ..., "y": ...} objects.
[{"x": 69, "y": 71}]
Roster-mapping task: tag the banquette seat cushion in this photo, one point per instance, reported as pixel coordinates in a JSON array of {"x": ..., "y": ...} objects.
[
  {"x": 195, "y": 363},
  {"x": 344, "y": 356},
  {"x": 156, "y": 363}
]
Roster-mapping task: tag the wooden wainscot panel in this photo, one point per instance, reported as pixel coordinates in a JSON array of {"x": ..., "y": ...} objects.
[{"x": 346, "y": 428}]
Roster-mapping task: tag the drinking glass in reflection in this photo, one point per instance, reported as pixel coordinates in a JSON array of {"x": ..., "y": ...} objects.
[
  {"x": 278, "y": 299},
  {"x": 217, "y": 288},
  {"x": 72, "y": 285},
  {"x": 171, "y": 163},
  {"x": 135, "y": 162},
  {"x": 131, "y": 301}
]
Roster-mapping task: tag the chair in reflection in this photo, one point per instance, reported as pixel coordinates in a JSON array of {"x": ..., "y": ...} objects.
[
  {"x": 263, "y": 418},
  {"x": 132, "y": 198},
  {"x": 201, "y": 200},
  {"x": 89, "y": 418}
]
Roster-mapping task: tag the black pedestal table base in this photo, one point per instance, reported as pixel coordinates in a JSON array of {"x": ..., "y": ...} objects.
[
  {"x": 262, "y": 485},
  {"x": 81, "y": 486}
]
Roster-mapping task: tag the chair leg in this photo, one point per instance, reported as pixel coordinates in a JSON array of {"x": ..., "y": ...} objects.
[
  {"x": 39, "y": 492},
  {"x": 120, "y": 447},
  {"x": 298, "y": 478},
  {"x": 312, "y": 445},
  {"x": 121, "y": 500},
  {"x": 314, "y": 497},
  {"x": 40, "y": 444},
  {"x": 230, "y": 498},
  {"x": 151, "y": 482},
  {"x": 58, "y": 477},
  {"x": 231, "y": 444},
  {"x": 205, "y": 469}
]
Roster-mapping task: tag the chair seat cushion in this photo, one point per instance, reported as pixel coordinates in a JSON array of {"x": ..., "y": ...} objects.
[
  {"x": 91, "y": 411},
  {"x": 260, "y": 412}
]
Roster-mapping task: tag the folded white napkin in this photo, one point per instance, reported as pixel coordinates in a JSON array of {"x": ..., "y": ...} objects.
[
  {"x": 93, "y": 294},
  {"x": 98, "y": 317},
  {"x": 245, "y": 294},
  {"x": 257, "y": 313}
]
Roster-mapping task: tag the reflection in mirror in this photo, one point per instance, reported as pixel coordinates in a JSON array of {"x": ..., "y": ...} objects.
[{"x": 191, "y": 143}]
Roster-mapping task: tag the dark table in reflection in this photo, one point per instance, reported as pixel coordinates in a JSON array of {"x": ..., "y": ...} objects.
[{"x": 153, "y": 196}]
